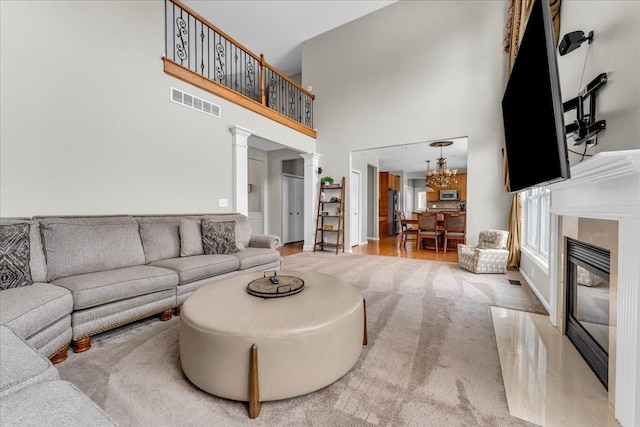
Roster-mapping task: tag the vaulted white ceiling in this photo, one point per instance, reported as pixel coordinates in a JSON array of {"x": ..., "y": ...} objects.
[{"x": 278, "y": 28}]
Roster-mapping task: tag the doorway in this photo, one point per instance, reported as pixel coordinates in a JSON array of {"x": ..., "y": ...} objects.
[{"x": 292, "y": 208}]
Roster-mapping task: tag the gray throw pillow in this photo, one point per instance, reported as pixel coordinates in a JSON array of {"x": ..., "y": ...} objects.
[
  {"x": 14, "y": 256},
  {"x": 219, "y": 237}
]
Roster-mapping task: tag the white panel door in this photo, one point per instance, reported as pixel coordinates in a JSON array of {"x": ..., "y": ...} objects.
[
  {"x": 354, "y": 208},
  {"x": 292, "y": 209},
  {"x": 298, "y": 211}
]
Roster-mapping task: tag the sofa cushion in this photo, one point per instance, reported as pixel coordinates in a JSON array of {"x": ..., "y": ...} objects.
[
  {"x": 85, "y": 245},
  {"x": 190, "y": 237},
  {"x": 14, "y": 256},
  {"x": 37, "y": 263},
  {"x": 92, "y": 289},
  {"x": 53, "y": 403},
  {"x": 160, "y": 238},
  {"x": 28, "y": 310},
  {"x": 243, "y": 227},
  {"x": 252, "y": 257},
  {"x": 219, "y": 237},
  {"x": 21, "y": 365},
  {"x": 198, "y": 267}
]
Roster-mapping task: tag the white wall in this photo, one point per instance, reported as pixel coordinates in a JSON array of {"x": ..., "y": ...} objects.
[
  {"x": 258, "y": 179},
  {"x": 87, "y": 125},
  {"x": 412, "y": 72},
  {"x": 616, "y": 51},
  {"x": 360, "y": 161}
]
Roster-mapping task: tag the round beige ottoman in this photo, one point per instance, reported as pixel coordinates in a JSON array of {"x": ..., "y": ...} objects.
[{"x": 292, "y": 345}]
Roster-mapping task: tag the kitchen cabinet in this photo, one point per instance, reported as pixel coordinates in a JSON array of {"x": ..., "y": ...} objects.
[
  {"x": 434, "y": 196},
  {"x": 462, "y": 183},
  {"x": 389, "y": 181},
  {"x": 459, "y": 184}
]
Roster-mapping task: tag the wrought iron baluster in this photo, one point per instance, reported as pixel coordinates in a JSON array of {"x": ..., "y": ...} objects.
[
  {"x": 250, "y": 78},
  {"x": 202, "y": 48},
  {"x": 292, "y": 102},
  {"x": 181, "y": 51},
  {"x": 220, "y": 60}
]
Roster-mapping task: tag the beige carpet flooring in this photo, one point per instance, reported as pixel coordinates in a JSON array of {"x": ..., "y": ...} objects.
[{"x": 431, "y": 360}]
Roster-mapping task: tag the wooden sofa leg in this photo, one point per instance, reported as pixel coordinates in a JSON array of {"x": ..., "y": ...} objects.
[
  {"x": 365, "y": 338},
  {"x": 176, "y": 311},
  {"x": 254, "y": 387},
  {"x": 60, "y": 356},
  {"x": 166, "y": 315},
  {"x": 82, "y": 344}
]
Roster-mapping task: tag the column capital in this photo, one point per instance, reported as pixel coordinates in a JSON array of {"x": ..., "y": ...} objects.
[
  {"x": 311, "y": 157},
  {"x": 240, "y": 131}
]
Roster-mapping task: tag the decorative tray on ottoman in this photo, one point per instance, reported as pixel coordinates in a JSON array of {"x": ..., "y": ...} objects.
[{"x": 275, "y": 286}]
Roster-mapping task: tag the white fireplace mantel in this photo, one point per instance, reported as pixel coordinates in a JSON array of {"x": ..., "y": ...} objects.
[{"x": 607, "y": 186}]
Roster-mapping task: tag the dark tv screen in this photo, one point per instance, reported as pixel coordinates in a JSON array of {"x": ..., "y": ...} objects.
[{"x": 535, "y": 139}]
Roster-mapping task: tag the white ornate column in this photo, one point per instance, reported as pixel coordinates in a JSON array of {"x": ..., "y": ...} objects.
[
  {"x": 311, "y": 184},
  {"x": 240, "y": 169}
]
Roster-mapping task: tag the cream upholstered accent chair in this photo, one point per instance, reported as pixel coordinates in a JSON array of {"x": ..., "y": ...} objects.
[{"x": 490, "y": 255}]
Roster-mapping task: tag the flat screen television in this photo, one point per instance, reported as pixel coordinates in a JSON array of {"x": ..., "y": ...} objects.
[{"x": 535, "y": 139}]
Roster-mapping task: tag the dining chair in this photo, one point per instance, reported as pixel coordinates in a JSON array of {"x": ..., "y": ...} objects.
[
  {"x": 428, "y": 229},
  {"x": 407, "y": 231},
  {"x": 455, "y": 228}
]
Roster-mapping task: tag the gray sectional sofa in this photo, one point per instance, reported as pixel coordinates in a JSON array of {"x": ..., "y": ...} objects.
[{"x": 93, "y": 274}]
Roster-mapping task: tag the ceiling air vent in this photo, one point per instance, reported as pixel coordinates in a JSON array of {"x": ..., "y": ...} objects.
[{"x": 194, "y": 102}]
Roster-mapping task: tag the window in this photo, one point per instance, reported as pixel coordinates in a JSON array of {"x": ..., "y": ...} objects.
[
  {"x": 422, "y": 200},
  {"x": 536, "y": 205}
]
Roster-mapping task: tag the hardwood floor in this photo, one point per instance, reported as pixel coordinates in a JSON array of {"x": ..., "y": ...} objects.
[{"x": 388, "y": 246}]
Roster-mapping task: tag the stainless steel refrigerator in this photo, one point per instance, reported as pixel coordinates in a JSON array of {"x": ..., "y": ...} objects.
[{"x": 394, "y": 213}]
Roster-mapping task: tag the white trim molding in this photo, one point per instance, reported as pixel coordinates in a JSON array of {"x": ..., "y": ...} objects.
[
  {"x": 240, "y": 169},
  {"x": 311, "y": 186},
  {"x": 607, "y": 186}
]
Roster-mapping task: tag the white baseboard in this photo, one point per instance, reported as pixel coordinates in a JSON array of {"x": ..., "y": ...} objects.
[
  {"x": 544, "y": 302},
  {"x": 366, "y": 242},
  {"x": 373, "y": 238}
]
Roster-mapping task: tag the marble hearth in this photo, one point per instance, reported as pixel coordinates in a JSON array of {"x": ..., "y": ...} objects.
[{"x": 600, "y": 205}]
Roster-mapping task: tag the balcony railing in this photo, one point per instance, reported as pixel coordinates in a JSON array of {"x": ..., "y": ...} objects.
[{"x": 212, "y": 57}]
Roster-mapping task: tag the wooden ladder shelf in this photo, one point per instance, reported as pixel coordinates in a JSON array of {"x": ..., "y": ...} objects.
[{"x": 329, "y": 231}]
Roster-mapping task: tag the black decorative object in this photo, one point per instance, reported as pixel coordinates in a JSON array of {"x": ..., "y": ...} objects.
[
  {"x": 585, "y": 127},
  {"x": 275, "y": 286},
  {"x": 573, "y": 40}
]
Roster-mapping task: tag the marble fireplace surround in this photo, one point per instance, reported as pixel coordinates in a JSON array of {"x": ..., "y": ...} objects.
[{"x": 600, "y": 204}]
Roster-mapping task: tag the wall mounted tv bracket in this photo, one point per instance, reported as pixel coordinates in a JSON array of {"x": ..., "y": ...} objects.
[{"x": 585, "y": 128}]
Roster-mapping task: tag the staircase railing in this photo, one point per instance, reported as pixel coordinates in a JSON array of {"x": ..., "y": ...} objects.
[{"x": 193, "y": 43}]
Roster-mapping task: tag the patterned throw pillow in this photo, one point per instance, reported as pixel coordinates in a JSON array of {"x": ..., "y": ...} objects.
[
  {"x": 219, "y": 237},
  {"x": 14, "y": 256}
]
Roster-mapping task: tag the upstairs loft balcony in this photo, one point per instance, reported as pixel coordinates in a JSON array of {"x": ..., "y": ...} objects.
[{"x": 200, "y": 54}]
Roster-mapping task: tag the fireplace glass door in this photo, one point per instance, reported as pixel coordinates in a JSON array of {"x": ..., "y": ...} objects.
[{"x": 588, "y": 304}]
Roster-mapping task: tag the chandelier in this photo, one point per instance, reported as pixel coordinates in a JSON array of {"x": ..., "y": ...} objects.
[{"x": 440, "y": 176}]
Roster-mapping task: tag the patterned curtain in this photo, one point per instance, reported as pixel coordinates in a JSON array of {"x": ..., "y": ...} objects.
[{"x": 518, "y": 15}]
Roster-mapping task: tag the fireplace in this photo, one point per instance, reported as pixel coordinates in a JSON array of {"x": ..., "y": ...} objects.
[
  {"x": 600, "y": 206},
  {"x": 587, "y": 319}
]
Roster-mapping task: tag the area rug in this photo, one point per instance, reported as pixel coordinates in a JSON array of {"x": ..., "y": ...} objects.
[{"x": 431, "y": 360}]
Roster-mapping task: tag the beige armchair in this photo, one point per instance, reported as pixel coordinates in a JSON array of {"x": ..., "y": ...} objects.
[{"x": 490, "y": 255}]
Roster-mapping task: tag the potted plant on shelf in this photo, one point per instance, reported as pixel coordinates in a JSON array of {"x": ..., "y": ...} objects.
[{"x": 326, "y": 180}]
